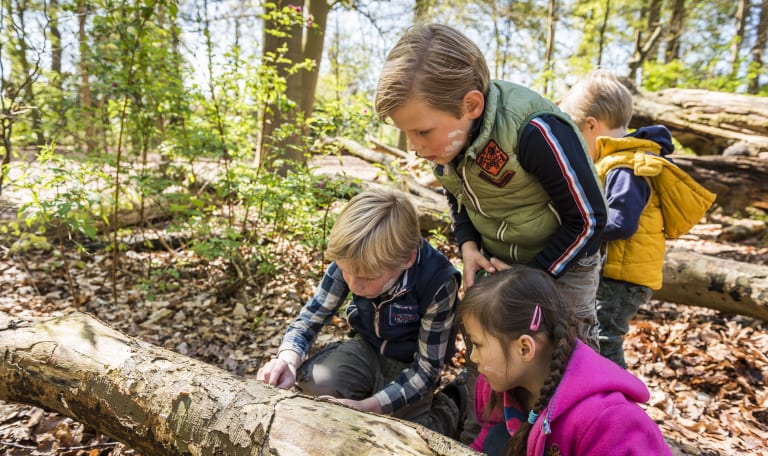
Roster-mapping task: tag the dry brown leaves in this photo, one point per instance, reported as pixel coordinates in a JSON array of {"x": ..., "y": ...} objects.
[{"x": 706, "y": 371}]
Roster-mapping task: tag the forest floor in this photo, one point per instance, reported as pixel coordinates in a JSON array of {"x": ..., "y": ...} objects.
[{"x": 706, "y": 370}]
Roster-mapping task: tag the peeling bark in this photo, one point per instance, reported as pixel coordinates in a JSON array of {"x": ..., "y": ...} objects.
[{"x": 160, "y": 403}]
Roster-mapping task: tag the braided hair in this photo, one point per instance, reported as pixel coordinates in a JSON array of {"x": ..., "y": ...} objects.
[{"x": 505, "y": 304}]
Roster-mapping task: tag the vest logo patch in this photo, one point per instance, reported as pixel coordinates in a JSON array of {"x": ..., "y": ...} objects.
[
  {"x": 500, "y": 182},
  {"x": 492, "y": 159},
  {"x": 403, "y": 314}
]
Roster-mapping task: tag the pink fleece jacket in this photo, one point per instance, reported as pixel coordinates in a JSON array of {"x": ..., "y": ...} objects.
[
  {"x": 594, "y": 412},
  {"x": 486, "y": 421}
]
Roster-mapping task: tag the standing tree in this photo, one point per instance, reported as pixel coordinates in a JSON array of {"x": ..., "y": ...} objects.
[
  {"x": 601, "y": 38},
  {"x": 293, "y": 43},
  {"x": 646, "y": 39},
  {"x": 86, "y": 103},
  {"x": 549, "y": 53},
  {"x": 758, "y": 50},
  {"x": 16, "y": 83},
  {"x": 57, "y": 78},
  {"x": 740, "y": 18},
  {"x": 675, "y": 30},
  {"x": 26, "y": 55}
]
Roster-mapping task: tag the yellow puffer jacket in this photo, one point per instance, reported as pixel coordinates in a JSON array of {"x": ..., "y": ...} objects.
[{"x": 676, "y": 204}]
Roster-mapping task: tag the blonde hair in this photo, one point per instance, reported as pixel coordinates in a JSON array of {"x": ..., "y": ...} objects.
[
  {"x": 434, "y": 63},
  {"x": 600, "y": 95},
  {"x": 377, "y": 230}
]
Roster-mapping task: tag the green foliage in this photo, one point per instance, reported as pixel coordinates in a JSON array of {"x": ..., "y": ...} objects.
[
  {"x": 67, "y": 197},
  {"x": 658, "y": 76},
  {"x": 272, "y": 212},
  {"x": 353, "y": 118},
  {"x": 189, "y": 145}
]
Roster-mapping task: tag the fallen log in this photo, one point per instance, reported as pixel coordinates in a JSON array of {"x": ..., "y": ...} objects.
[
  {"x": 161, "y": 403},
  {"x": 707, "y": 122},
  {"x": 738, "y": 181},
  {"x": 374, "y": 168},
  {"x": 706, "y": 281}
]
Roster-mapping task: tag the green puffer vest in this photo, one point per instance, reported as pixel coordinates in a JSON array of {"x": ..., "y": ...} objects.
[
  {"x": 506, "y": 204},
  {"x": 676, "y": 204}
]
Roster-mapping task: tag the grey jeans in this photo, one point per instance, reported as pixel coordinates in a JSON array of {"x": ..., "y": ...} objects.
[
  {"x": 617, "y": 304},
  {"x": 579, "y": 287},
  {"x": 353, "y": 369}
]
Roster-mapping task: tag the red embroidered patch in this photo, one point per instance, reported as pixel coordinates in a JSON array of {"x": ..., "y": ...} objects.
[
  {"x": 492, "y": 158},
  {"x": 500, "y": 182}
]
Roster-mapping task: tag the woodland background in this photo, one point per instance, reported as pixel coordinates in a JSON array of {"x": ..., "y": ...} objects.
[{"x": 172, "y": 168}]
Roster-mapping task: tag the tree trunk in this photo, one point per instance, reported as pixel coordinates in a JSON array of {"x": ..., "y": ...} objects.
[
  {"x": 313, "y": 50},
  {"x": 162, "y": 403},
  {"x": 601, "y": 44},
  {"x": 550, "y": 46},
  {"x": 296, "y": 104},
  {"x": 707, "y": 281},
  {"x": 742, "y": 8},
  {"x": 758, "y": 50},
  {"x": 705, "y": 121},
  {"x": 642, "y": 50},
  {"x": 86, "y": 104},
  {"x": 282, "y": 49},
  {"x": 675, "y": 30},
  {"x": 653, "y": 27},
  {"x": 57, "y": 78}
]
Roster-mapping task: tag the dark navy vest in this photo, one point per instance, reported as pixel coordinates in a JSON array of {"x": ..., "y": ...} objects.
[{"x": 391, "y": 323}]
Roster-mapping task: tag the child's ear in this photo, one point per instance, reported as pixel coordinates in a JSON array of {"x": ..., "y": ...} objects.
[
  {"x": 591, "y": 124},
  {"x": 474, "y": 103},
  {"x": 411, "y": 260},
  {"x": 526, "y": 345}
]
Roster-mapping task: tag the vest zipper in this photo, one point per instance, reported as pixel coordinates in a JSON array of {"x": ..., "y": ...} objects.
[
  {"x": 377, "y": 313},
  {"x": 470, "y": 193}
]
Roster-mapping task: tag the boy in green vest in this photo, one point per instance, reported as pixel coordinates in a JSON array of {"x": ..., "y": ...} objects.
[
  {"x": 649, "y": 199},
  {"x": 519, "y": 182},
  {"x": 404, "y": 294}
]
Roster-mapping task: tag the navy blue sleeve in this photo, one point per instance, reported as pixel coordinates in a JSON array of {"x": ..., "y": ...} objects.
[
  {"x": 552, "y": 151},
  {"x": 461, "y": 226},
  {"x": 627, "y": 196}
]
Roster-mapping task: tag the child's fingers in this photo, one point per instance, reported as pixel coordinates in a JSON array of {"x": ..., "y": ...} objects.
[{"x": 498, "y": 265}]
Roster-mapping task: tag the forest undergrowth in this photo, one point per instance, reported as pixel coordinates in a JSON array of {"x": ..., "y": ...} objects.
[{"x": 706, "y": 370}]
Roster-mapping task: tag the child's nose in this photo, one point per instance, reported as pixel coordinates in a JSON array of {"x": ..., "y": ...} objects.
[{"x": 416, "y": 148}]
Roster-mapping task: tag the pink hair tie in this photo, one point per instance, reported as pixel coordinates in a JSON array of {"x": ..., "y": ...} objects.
[{"x": 536, "y": 319}]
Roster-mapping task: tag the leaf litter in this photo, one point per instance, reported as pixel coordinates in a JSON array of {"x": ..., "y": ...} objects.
[{"x": 706, "y": 370}]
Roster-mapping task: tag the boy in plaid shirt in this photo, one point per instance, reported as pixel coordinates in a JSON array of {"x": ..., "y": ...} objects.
[{"x": 404, "y": 295}]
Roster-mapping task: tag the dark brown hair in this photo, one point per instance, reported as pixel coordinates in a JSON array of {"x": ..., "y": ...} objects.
[{"x": 504, "y": 305}]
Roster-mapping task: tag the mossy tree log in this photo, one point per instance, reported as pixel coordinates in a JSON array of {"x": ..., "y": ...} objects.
[{"x": 162, "y": 403}]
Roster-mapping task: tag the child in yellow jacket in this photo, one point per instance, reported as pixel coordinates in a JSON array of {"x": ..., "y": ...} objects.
[{"x": 649, "y": 199}]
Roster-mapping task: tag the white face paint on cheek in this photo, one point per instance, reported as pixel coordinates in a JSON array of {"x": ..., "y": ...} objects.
[{"x": 456, "y": 143}]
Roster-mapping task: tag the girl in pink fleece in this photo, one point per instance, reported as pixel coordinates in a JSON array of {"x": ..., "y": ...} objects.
[{"x": 558, "y": 396}]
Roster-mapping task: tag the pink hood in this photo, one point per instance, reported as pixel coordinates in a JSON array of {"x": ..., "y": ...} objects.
[{"x": 595, "y": 412}]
